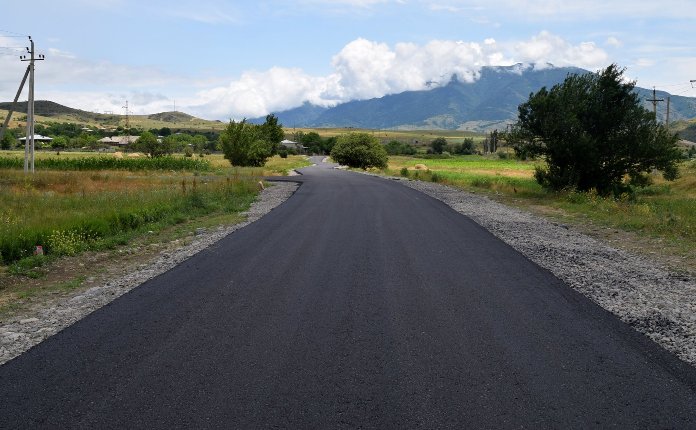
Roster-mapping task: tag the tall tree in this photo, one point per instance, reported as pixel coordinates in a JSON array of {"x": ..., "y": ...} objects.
[
  {"x": 272, "y": 132},
  {"x": 593, "y": 133}
]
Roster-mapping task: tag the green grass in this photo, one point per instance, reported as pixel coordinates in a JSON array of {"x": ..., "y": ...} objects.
[
  {"x": 69, "y": 212},
  {"x": 31, "y": 266},
  {"x": 664, "y": 210}
]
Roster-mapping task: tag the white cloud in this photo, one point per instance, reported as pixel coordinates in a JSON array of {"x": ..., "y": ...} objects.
[
  {"x": 547, "y": 47},
  {"x": 365, "y": 69},
  {"x": 573, "y": 10},
  {"x": 614, "y": 42},
  {"x": 258, "y": 93}
]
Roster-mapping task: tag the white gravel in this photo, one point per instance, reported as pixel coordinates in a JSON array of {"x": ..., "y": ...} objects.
[
  {"x": 44, "y": 320},
  {"x": 654, "y": 300}
]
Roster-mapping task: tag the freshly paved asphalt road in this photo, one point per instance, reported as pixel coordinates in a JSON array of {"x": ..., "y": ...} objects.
[{"x": 358, "y": 303}]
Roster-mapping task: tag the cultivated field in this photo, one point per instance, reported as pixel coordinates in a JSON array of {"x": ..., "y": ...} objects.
[{"x": 659, "y": 221}]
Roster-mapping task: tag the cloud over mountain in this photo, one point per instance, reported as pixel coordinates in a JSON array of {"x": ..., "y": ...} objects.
[{"x": 365, "y": 69}]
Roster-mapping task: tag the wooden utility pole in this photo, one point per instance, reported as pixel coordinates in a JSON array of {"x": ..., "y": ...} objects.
[
  {"x": 654, "y": 101},
  {"x": 667, "y": 118}
]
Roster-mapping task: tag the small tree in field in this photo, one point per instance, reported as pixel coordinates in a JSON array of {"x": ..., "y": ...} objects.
[
  {"x": 149, "y": 144},
  {"x": 360, "y": 150},
  {"x": 438, "y": 145},
  {"x": 594, "y": 134},
  {"x": 8, "y": 140},
  {"x": 243, "y": 145}
]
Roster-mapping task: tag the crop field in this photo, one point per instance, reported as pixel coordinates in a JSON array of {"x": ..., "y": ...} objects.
[{"x": 661, "y": 216}]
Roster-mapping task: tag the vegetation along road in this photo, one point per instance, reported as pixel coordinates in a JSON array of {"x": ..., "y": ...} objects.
[{"x": 358, "y": 303}]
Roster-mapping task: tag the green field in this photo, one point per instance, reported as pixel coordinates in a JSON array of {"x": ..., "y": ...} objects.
[{"x": 663, "y": 213}]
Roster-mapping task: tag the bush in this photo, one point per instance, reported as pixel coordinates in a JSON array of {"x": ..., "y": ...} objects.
[
  {"x": 8, "y": 140},
  {"x": 243, "y": 145},
  {"x": 404, "y": 172},
  {"x": 438, "y": 145},
  {"x": 359, "y": 150}
]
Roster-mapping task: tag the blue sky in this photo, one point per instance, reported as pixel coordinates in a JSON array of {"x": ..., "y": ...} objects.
[{"x": 232, "y": 59}]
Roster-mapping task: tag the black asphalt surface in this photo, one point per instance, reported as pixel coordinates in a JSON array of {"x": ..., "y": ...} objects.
[{"x": 358, "y": 303}]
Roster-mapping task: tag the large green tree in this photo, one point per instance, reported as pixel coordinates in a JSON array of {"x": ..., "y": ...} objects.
[
  {"x": 243, "y": 144},
  {"x": 360, "y": 150},
  {"x": 594, "y": 134}
]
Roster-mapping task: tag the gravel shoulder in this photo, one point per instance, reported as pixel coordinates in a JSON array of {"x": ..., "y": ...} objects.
[
  {"x": 46, "y": 318},
  {"x": 655, "y": 300}
]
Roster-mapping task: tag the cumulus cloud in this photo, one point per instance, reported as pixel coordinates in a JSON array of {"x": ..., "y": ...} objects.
[
  {"x": 258, "y": 93},
  {"x": 548, "y": 48},
  {"x": 366, "y": 69}
]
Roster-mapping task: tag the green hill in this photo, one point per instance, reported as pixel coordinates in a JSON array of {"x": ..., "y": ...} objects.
[{"x": 48, "y": 111}]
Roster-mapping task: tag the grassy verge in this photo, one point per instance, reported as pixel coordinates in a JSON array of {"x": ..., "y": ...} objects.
[
  {"x": 661, "y": 217},
  {"x": 68, "y": 212}
]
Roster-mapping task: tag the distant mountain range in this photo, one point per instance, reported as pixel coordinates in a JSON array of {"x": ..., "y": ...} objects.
[{"x": 489, "y": 102}]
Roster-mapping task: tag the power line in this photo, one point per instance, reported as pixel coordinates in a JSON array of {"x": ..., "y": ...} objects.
[{"x": 14, "y": 33}]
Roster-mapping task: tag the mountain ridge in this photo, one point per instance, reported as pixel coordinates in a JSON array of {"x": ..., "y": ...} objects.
[{"x": 489, "y": 102}]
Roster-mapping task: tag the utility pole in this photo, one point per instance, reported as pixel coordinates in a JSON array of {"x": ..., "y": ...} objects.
[
  {"x": 667, "y": 118},
  {"x": 654, "y": 101},
  {"x": 127, "y": 123},
  {"x": 29, "y": 142}
]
